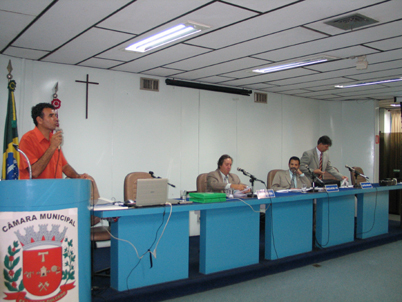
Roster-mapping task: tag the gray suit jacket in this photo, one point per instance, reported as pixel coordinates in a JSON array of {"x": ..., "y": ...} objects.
[
  {"x": 310, "y": 158},
  {"x": 282, "y": 181},
  {"x": 215, "y": 182}
]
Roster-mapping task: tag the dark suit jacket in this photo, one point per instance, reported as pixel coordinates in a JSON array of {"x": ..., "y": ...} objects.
[
  {"x": 215, "y": 182},
  {"x": 282, "y": 181},
  {"x": 310, "y": 158}
]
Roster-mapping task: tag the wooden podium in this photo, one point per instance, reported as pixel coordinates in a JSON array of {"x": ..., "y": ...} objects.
[{"x": 45, "y": 240}]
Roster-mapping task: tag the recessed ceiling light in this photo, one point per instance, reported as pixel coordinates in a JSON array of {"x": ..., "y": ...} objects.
[
  {"x": 369, "y": 83},
  {"x": 172, "y": 34},
  {"x": 294, "y": 64}
]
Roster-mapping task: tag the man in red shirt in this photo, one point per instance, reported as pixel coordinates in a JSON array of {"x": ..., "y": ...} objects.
[{"x": 42, "y": 147}]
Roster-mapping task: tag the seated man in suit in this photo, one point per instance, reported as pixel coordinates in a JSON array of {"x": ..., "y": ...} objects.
[
  {"x": 317, "y": 159},
  {"x": 221, "y": 180},
  {"x": 292, "y": 178}
]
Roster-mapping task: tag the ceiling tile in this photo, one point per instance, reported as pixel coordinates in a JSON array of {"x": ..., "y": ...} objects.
[
  {"x": 142, "y": 15},
  {"x": 64, "y": 27},
  {"x": 87, "y": 45},
  {"x": 25, "y": 53},
  {"x": 153, "y": 60}
]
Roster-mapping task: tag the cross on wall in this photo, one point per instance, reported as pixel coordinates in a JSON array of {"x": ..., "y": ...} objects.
[{"x": 87, "y": 82}]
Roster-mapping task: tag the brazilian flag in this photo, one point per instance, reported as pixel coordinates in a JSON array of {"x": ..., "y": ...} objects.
[{"x": 11, "y": 157}]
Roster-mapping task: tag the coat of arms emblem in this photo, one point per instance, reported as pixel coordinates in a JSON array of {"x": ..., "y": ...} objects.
[{"x": 44, "y": 275}]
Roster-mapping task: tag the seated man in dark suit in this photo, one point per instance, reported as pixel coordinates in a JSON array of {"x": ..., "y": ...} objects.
[
  {"x": 221, "y": 180},
  {"x": 292, "y": 178}
]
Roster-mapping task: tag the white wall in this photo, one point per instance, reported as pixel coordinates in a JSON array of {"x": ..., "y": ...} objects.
[{"x": 181, "y": 132}]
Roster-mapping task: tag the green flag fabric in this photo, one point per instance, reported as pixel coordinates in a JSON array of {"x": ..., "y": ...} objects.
[{"x": 11, "y": 157}]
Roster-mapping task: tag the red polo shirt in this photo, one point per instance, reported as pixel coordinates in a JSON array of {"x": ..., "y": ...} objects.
[{"x": 34, "y": 145}]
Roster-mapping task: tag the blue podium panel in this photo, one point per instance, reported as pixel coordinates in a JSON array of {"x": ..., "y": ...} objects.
[
  {"x": 229, "y": 238},
  {"x": 335, "y": 219},
  {"x": 144, "y": 232},
  {"x": 372, "y": 214},
  {"x": 45, "y": 227},
  {"x": 288, "y": 229}
]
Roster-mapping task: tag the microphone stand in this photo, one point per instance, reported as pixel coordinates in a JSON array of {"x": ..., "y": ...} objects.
[
  {"x": 26, "y": 157},
  {"x": 314, "y": 178},
  {"x": 153, "y": 176},
  {"x": 252, "y": 179}
]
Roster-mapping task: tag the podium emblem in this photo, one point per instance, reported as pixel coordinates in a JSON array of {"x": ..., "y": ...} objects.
[
  {"x": 42, "y": 270},
  {"x": 47, "y": 262}
]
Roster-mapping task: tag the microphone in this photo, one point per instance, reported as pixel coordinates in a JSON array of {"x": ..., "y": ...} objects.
[
  {"x": 315, "y": 178},
  {"x": 153, "y": 176},
  {"x": 26, "y": 157},
  {"x": 357, "y": 173},
  {"x": 62, "y": 140},
  {"x": 244, "y": 172}
]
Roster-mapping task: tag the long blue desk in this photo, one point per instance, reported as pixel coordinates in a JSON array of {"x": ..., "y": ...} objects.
[{"x": 229, "y": 232}]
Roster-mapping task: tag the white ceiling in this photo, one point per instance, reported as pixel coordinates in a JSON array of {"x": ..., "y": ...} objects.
[{"x": 244, "y": 34}]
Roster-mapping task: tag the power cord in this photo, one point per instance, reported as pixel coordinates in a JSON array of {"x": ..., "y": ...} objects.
[
  {"x": 374, "y": 214},
  {"x": 319, "y": 245}
]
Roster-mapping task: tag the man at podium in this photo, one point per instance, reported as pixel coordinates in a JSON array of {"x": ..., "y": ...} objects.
[{"x": 42, "y": 147}]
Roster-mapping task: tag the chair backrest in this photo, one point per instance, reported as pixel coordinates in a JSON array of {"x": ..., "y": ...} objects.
[
  {"x": 330, "y": 176},
  {"x": 270, "y": 177},
  {"x": 359, "y": 178},
  {"x": 130, "y": 184},
  {"x": 202, "y": 182}
]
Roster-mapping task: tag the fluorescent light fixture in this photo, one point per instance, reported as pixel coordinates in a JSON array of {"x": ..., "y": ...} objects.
[
  {"x": 294, "y": 64},
  {"x": 172, "y": 34},
  {"x": 369, "y": 83},
  {"x": 396, "y": 105}
]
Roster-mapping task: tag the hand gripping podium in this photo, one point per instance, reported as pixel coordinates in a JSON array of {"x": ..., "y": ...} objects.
[{"x": 45, "y": 240}]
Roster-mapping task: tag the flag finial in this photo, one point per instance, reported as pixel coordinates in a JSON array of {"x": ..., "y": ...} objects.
[
  {"x": 56, "y": 88},
  {"x": 10, "y": 69}
]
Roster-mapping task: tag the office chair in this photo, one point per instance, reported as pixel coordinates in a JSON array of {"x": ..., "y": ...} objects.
[
  {"x": 270, "y": 177},
  {"x": 98, "y": 233},
  {"x": 202, "y": 182},
  {"x": 130, "y": 184},
  {"x": 359, "y": 179}
]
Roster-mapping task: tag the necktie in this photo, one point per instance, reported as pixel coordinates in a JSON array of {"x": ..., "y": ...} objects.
[
  {"x": 292, "y": 183},
  {"x": 320, "y": 177}
]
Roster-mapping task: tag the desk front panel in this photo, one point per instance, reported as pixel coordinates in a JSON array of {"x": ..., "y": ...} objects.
[
  {"x": 335, "y": 219},
  {"x": 372, "y": 214},
  {"x": 172, "y": 256},
  {"x": 288, "y": 229},
  {"x": 229, "y": 238}
]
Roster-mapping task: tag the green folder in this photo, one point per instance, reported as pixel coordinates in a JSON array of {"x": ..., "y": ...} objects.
[{"x": 207, "y": 197}]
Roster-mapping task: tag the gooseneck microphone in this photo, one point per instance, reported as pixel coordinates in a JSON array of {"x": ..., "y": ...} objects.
[
  {"x": 244, "y": 172},
  {"x": 357, "y": 173},
  {"x": 315, "y": 178},
  {"x": 153, "y": 176},
  {"x": 26, "y": 157},
  {"x": 252, "y": 177}
]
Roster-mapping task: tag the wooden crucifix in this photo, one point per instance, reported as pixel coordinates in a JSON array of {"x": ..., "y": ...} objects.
[{"x": 87, "y": 82}]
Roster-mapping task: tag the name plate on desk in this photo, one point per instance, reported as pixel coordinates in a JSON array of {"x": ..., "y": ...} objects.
[
  {"x": 366, "y": 185},
  {"x": 331, "y": 188},
  {"x": 264, "y": 193}
]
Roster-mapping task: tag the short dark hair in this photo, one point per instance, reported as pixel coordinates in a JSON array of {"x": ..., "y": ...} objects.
[
  {"x": 325, "y": 140},
  {"x": 294, "y": 158},
  {"x": 37, "y": 110},
  {"x": 222, "y": 159}
]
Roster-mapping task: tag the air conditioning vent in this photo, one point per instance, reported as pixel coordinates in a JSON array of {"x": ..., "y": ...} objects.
[
  {"x": 260, "y": 98},
  {"x": 351, "y": 22},
  {"x": 149, "y": 84}
]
